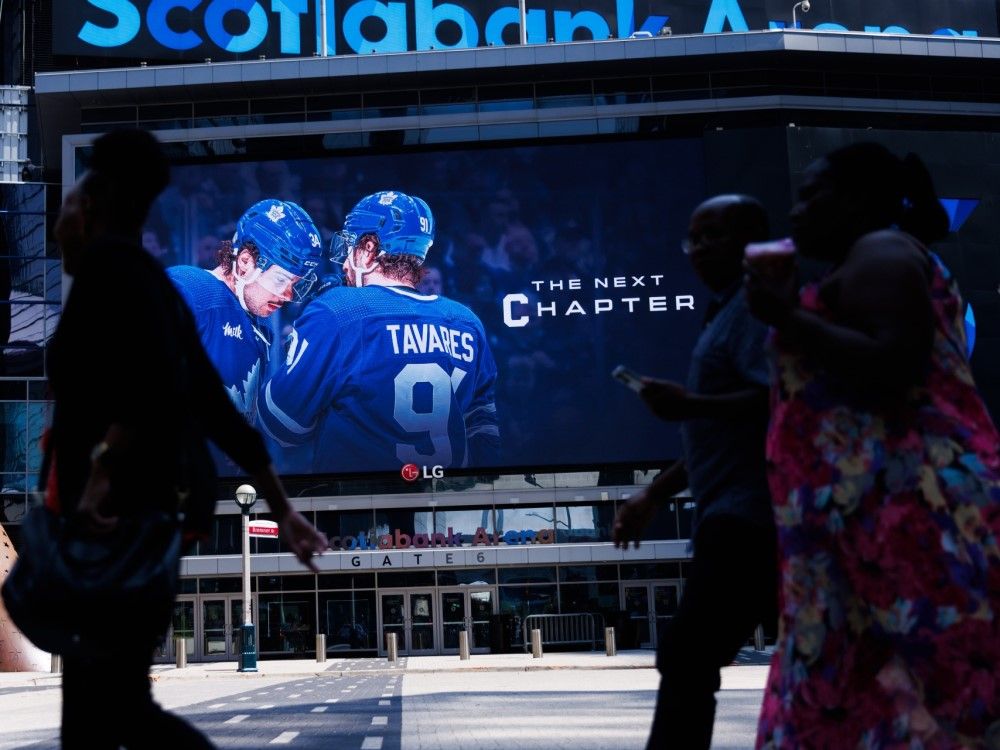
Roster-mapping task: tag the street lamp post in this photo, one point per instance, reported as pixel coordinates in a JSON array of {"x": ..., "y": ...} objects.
[{"x": 246, "y": 496}]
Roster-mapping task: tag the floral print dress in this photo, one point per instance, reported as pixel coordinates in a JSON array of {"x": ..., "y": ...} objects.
[{"x": 888, "y": 524}]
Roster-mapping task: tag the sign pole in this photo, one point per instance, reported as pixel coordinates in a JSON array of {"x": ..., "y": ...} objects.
[
  {"x": 248, "y": 650},
  {"x": 246, "y": 496}
]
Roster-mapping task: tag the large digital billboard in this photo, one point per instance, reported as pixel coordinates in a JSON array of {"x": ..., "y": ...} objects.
[
  {"x": 233, "y": 29},
  {"x": 549, "y": 266}
]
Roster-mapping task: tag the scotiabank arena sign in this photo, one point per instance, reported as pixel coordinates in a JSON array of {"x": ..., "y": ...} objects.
[{"x": 233, "y": 29}]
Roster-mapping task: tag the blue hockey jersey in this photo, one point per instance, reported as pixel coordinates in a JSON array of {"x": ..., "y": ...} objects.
[
  {"x": 234, "y": 344},
  {"x": 379, "y": 377}
]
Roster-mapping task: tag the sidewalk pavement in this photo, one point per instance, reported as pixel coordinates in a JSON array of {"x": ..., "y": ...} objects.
[{"x": 517, "y": 662}]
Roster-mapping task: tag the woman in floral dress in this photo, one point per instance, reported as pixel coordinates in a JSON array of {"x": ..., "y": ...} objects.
[{"x": 885, "y": 476}]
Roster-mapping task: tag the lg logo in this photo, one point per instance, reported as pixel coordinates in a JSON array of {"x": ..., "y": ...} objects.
[{"x": 412, "y": 472}]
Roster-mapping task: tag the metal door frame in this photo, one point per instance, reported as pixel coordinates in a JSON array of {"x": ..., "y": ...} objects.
[
  {"x": 168, "y": 653},
  {"x": 468, "y": 591},
  {"x": 651, "y": 614},
  {"x": 406, "y": 648},
  {"x": 199, "y": 630}
]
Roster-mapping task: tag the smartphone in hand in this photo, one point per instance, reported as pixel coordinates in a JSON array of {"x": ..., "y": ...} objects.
[{"x": 628, "y": 378}]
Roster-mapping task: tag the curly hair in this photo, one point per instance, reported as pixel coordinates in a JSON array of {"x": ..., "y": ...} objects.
[
  {"x": 224, "y": 254},
  {"x": 407, "y": 269}
]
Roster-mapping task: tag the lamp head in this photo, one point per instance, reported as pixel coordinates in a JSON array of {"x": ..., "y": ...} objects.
[
  {"x": 805, "y": 6},
  {"x": 246, "y": 496}
]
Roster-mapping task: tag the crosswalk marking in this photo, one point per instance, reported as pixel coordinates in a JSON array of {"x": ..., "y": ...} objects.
[
  {"x": 217, "y": 705},
  {"x": 319, "y": 709},
  {"x": 244, "y": 698},
  {"x": 383, "y": 703},
  {"x": 236, "y": 719},
  {"x": 284, "y": 738},
  {"x": 372, "y": 743},
  {"x": 331, "y": 700},
  {"x": 380, "y": 721},
  {"x": 265, "y": 707}
]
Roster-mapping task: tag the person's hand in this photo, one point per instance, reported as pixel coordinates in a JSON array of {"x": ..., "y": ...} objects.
[
  {"x": 667, "y": 400},
  {"x": 302, "y": 538},
  {"x": 771, "y": 298},
  {"x": 633, "y": 517},
  {"x": 95, "y": 500}
]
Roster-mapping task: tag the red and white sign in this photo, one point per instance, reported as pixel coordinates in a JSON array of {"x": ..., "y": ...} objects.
[{"x": 263, "y": 528}]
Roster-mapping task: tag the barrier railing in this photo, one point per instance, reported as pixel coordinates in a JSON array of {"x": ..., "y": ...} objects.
[{"x": 565, "y": 629}]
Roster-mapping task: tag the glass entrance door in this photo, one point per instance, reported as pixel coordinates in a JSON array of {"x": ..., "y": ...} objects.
[
  {"x": 411, "y": 616},
  {"x": 637, "y": 606},
  {"x": 221, "y": 617},
  {"x": 470, "y": 610},
  {"x": 649, "y": 606},
  {"x": 181, "y": 626}
]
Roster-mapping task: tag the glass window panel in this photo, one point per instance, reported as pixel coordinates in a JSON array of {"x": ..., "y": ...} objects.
[
  {"x": 14, "y": 441},
  {"x": 543, "y": 574},
  {"x": 286, "y": 583},
  {"x": 466, "y": 577},
  {"x": 347, "y": 581},
  {"x": 348, "y": 620},
  {"x": 663, "y": 525},
  {"x": 188, "y": 586},
  {"x": 37, "y": 421},
  {"x": 224, "y": 537},
  {"x": 590, "y": 597},
  {"x": 584, "y": 523},
  {"x": 521, "y": 517},
  {"x": 409, "y": 521},
  {"x": 405, "y": 579},
  {"x": 342, "y": 524},
  {"x": 228, "y": 585},
  {"x": 286, "y": 623},
  {"x": 588, "y": 573},
  {"x": 521, "y": 601},
  {"x": 265, "y": 545},
  {"x": 652, "y": 570},
  {"x": 464, "y": 521},
  {"x": 685, "y": 517}
]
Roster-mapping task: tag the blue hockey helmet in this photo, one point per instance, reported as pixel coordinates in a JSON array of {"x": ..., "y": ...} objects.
[
  {"x": 403, "y": 224},
  {"x": 285, "y": 236}
]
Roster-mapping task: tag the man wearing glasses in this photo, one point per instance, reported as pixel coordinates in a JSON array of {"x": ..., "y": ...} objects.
[
  {"x": 731, "y": 584},
  {"x": 271, "y": 260}
]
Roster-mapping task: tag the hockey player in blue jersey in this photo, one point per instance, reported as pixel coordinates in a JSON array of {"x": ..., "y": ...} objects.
[
  {"x": 378, "y": 375},
  {"x": 272, "y": 259}
]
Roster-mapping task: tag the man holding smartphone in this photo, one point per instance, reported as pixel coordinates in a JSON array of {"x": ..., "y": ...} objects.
[{"x": 731, "y": 585}]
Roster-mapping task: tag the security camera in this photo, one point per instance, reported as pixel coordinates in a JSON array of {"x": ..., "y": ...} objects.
[{"x": 805, "y": 6}]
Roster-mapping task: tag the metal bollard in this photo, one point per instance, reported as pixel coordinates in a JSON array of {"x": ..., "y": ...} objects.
[
  {"x": 55, "y": 666},
  {"x": 536, "y": 644},
  {"x": 758, "y": 638},
  {"x": 463, "y": 645},
  {"x": 392, "y": 646},
  {"x": 320, "y": 647},
  {"x": 180, "y": 648},
  {"x": 609, "y": 642}
]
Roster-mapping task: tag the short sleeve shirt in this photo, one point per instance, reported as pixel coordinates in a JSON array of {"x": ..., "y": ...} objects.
[{"x": 725, "y": 457}]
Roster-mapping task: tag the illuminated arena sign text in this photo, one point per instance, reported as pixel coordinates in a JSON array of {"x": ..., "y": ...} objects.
[{"x": 221, "y": 29}]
